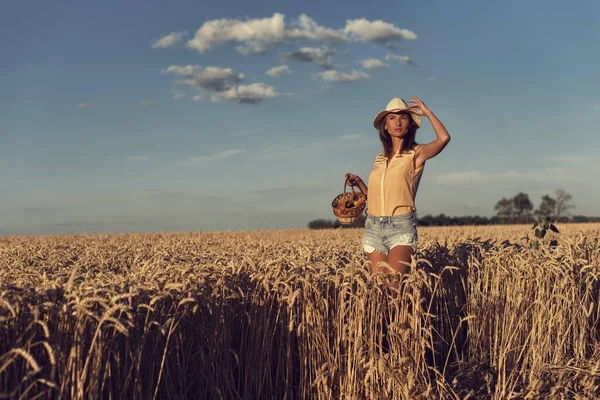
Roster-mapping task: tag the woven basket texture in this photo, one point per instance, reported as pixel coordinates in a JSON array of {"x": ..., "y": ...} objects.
[{"x": 349, "y": 206}]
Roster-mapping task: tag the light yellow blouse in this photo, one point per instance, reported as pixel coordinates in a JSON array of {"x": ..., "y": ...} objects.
[{"x": 394, "y": 185}]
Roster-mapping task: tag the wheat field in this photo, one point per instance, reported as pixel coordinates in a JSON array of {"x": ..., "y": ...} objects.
[{"x": 295, "y": 314}]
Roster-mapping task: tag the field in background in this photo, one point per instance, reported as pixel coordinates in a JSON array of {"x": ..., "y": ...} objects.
[{"x": 295, "y": 315}]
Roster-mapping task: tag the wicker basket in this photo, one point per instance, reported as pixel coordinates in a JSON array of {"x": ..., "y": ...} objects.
[{"x": 349, "y": 206}]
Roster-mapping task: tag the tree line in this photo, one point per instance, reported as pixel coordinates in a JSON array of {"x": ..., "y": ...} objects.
[{"x": 514, "y": 210}]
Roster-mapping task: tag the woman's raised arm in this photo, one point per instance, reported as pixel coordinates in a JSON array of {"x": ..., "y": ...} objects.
[{"x": 431, "y": 149}]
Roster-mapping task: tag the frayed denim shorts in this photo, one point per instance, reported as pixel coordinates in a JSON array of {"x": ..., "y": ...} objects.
[{"x": 384, "y": 233}]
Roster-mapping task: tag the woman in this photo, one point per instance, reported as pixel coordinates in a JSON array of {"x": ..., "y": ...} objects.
[{"x": 390, "y": 228}]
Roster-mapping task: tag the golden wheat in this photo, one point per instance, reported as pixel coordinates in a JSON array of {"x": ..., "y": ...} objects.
[{"x": 295, "y": 314}]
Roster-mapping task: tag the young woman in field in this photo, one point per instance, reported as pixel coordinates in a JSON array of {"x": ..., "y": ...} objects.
[{"x": 390, "y": 228}]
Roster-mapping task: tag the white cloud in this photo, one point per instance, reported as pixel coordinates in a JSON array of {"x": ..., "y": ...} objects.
[
  {"x": 303, "y": 28},
  {"x": 372, "y": 63},
  {"x": 253, "y": 93},
  {"x": 404, "y": 59},
  {"x": 168, "y": 41},
  {"x": 86, "y": 105},
  {"x": 259, "y": 34},
  {"x": 252, "y": 48},
  {"x": 222, "y": 82},
  {"x": 376, "y": 31},
  {"x": 200, "y": 160},
  {"x": 309, "y": 29},
  {"x": 215, "y": 79},
  {"x": 337, "y": 76},
  {"x": 186, "y": 70},
  {"x": 197, "y": 98},
  {"x": 265, "y": 31},
  {"x": 319, "y": 56},
  {"x": 279, "y": 71},
  {"x": 178, "y": 95}
]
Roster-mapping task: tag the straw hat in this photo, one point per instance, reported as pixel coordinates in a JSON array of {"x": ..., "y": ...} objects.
[{"x": 395, "y": 105}]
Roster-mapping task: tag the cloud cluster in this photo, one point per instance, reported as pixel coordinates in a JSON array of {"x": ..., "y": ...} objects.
[
  {"x": 222, "y": 83},
  {"x": 337, "y": 76},
  {"x": 187, "y": 70},
  {"x": 253, "y": 93},
  {"x": 252, "y": 32},
  {"x": 259, "y": 34},
  {"x": 319, "y": 56},
  {"x": 214, "y": 79},
  {"x": 306, "y": 28}
]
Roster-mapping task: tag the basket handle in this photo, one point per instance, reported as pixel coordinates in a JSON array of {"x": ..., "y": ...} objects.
[{"x": 347, "y": 183}]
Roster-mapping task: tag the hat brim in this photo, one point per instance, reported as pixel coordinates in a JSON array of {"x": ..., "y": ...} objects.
[{"x": 379, "y": 118}]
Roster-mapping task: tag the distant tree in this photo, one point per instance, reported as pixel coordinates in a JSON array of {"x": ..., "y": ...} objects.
[
  {"x": 584, "y": 218},
  {"x": 563, "y": 203},
  {"x": 321, "y": 224},
  {"x": 477, "y": 220},
  {"x": 360, "y": 223},
  {"x": 547, "y": 208},
  {"x": 443, "y": 220},
  {"x": 334, "y": 223},
  {"x": 425, "y": 220},
  {"x": 505, "y": 210},
  {"x": 523, "y": 207}
]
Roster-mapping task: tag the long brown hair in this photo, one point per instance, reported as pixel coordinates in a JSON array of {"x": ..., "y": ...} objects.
[{"x": 409, "y": 140}]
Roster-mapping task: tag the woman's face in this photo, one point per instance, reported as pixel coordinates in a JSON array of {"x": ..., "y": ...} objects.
[{"x": 397, "y": 125}]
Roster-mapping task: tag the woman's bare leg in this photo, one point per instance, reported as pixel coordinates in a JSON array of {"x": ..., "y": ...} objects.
[
  {"x": 399, "y": 258},
  {"x": 374, "y": 258}
]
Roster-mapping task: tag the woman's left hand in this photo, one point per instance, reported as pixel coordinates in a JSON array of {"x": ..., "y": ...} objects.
[{"x": 418, "y": 107}]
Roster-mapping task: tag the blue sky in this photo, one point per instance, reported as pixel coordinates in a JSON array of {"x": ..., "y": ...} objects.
[{"x": 184, "y": 116}]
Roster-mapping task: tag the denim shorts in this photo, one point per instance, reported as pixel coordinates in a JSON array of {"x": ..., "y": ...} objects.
[{"x": 383, "y": 233}]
